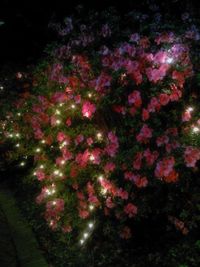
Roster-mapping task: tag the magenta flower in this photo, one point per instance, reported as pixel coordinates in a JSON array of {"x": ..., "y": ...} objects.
[{"x": 88, "y": 109}]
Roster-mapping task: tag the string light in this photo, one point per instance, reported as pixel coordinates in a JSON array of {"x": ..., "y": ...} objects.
[
  {"x": 90, "y": 225},
  {"x": 89, "y": 95},
  {"x": 195, "y": 129},
  {"x": 190, "y": 109},
  {"x": 38, "y": 150},
  {"x": 56, "y": 172},
  {"x": 92, "y": 157},
  {"x": 91, "y": 207},
  {"x": 18, "y": 114},
  {"x": 22, "y": 163},
  {"x": 17, "y": 145},
  {"x": 81, "y": 241},
  {"x": 58, "y": 121},
  {"x": 73, "y": 106},
  {"x": 1, "y": 87},
  {"x": 17, "y": 135},
  {"x": 43, "y": 141},
  {"x": 85, "y": 235},
  {"x": 100, "y": 178},
  {"x": 57, "y": 112},
  {"x": 61, "y": 104},
  {"x": 99, "y": 136},
  {"x": 41, "y": 167}
]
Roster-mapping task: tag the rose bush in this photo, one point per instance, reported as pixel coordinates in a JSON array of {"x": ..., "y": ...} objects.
[{"x": 109, "y": 123}]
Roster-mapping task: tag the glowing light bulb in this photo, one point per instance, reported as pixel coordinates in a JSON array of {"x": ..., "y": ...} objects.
[
  {"x": 89, "y": 95},
  {"x": 190, "y": 109},
  {"x": 34, "y": 173},
  {"x": 61, "y": 104},
  {"x": 61, "y": 174},
  {"x": 169, "y": 60},
  {"x": 43, "y": 141},
  {"x": 57, "y": 112},
  {"x": 41, "y": 166},
  {"x": 62, "y": 162},
  {"x": 103, "y": 191},
  {"x": 22, "y": 163},
  {"x": 56, "y": 172},
  {"x": 91, "y": 207},
  {"x": 92, "y": 157},
  {"x": 99, "y": 136},
  {"x": 73, "y": 106},
  {"x": 17, "y": 145},
  {"x": 58, "y": 122},
  {"x": 38, "y": 150},
  {"x": 54, "y": 203},
  {"x": 81, "y": 241},
  {"x": 100, "y": 178},
  {"x": 85, "y": 235},
  {"x": 17, "y": 135},
  {"x": 1, "y": 87},
  {"x": 11, "y": 135},
  {"x": 90, "y": 225},
  {"x": 195, "y": 130},
  {"x": 18, "y": 114}
]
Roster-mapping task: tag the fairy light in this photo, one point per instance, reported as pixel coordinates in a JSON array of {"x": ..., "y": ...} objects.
[
  {"x": 73, "y": 106},
  {"x": 61, "y": 104},
  {"x": 34, "y": 173},
  {"x": 17, "y": 135},
  {"x": 89, "y": 95},
  {"x": 100, "y": 178},
  {"x": 18, "y": 114},
  {"x": 42, "y": 166},
  {"x": 22, "y": 163},
  {"x": 91, "y": 207},
  {"x": 56, "y": 172},
  {"x": 90, "y": 225},
  {"x": 85, "y": 235},
  {"x": 169, "y": 60},
  {"x": 81, "y": 241},
  {"x": 190, "y": 109},
  {"x": 62, "y": 162},
  {"x": 195, "y": 129},
  {"x": 103, "y": 191},
  {"x": 38, "y": 150},
  {"x": 17, "y": 145},
  {"x": 57, "y": 112},
  {"x": 54, "y": 203},
  {"x": 58, "y": 121},
  {"x": 43, "y": 141},
  {"x": 92, "y": 157},
  {"x": 61, "y": 174},
  {"x": 11, "y": 135},
  {"x": 1, "y": 87},
  {"x": 99, "y": 136}
]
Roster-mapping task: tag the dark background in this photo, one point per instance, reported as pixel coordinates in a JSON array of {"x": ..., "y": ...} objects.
[{"x": 25, "y": 33}]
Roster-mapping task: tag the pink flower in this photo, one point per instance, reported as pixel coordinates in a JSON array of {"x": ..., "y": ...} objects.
[
  {"x": 109, "y": 167},
  {"x": 161, "y": 140},
  {"x": 141, "y": 182},
  {"x": 79, "y": 139},
  {"x": 145, "y": 114},
  {"x": 137, "y": 161},
  {"x": 122, "y": 193},
  {"x": 40, "y": 175},
  {"x": 60, "y": 137},
  {"x": 164, "y": 167},
  {"x": 145, "y": 134},
  {"x": 130, "y": 209},
  {"x": 109, "y": 203},
  {"x": 154, "y": 105},
  {"x": 83, "y": 214},
  {"x": 68, "y": 122},
  {"x": 150, "y": 156},
  {"x": 191, "y": 156},
  {"x": 135, "y": 98},
  {"x": 164, "y": 99},
  {"x": 186, "y": 116},
  {"x": 90, "y": 141},
  {"x": 88, "y": 109}
]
